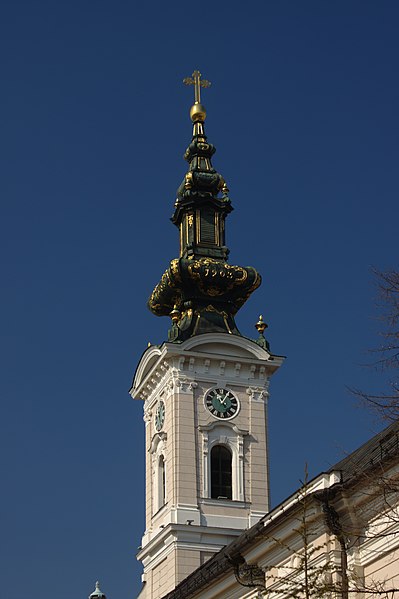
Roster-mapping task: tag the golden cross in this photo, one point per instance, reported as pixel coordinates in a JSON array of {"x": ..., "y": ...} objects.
[{"x": 198, "y": 83}]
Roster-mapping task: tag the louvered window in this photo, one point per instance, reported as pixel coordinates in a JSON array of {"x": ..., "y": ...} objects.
[{"x": 221, "y": 487}]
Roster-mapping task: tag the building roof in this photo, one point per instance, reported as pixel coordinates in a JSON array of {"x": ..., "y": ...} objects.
[{"x": 375, "y": 451}]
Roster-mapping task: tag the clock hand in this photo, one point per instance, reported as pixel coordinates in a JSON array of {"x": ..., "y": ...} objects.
[{"x": 221, "y": 399}]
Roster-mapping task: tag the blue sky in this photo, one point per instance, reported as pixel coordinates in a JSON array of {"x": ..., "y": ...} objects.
[{"x": 303, "y": 110}]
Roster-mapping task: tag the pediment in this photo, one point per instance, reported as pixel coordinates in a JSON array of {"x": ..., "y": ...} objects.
[
  {"x": 150, "y": 357},
  {"x": 225, "y": 345}
]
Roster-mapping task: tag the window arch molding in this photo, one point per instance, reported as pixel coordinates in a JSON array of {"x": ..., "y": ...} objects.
[
  {"x": 232, "y": 437},
  {"x": 159, "y": 467}
]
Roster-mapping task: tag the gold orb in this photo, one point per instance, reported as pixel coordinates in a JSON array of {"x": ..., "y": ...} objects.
[{"x": 197, "y": 112}]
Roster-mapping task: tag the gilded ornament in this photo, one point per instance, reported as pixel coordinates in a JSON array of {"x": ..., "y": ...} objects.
[
  {"x": 197, "y": 321},
  {"x": 261, "y": 325},
  {"x": 197, "y": 111},
  {"x": 175, "y": 315},
  {"x": 223, "y": 186},
  {"x": 188, "y": 180},
  {"x": 196, "y": 80},
  {"x": 175, "y": 270},
  {"x": 214, "y": 291},
  {"x": 192, "y": 270},
  {"x": 187, "y": 313}
]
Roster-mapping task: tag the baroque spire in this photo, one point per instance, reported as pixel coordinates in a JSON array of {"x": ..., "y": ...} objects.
[{"x": 200, "y": 291}]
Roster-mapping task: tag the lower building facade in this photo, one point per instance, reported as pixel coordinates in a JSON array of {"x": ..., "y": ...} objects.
[{"x": 336, "y": 537}]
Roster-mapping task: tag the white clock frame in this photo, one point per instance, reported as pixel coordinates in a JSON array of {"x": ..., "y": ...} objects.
[{"x": 217, "y": 417}]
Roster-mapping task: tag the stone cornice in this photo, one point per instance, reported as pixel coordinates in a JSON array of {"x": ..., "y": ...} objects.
[{"x": 173, "y": 363}]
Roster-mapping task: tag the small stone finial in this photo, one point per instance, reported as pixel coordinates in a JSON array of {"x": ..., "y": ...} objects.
[
  {"x": 97, "y": 593},
  {"x": 261, "y": 325},
  {"x": 261, "y": 341},
  {"x": 197, "y": 111},
  {"x": 175, "y": 315}
]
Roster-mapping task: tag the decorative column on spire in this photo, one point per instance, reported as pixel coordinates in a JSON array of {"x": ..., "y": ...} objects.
[{"x": 200, "y": 290}]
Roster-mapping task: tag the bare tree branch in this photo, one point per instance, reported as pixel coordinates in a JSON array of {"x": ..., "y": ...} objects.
[{"x": 386, "y": 403}]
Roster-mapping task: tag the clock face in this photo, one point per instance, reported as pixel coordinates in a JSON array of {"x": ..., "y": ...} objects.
[
  {"x": 222, "y": 403},
  {"x": 160, "y": 415}
]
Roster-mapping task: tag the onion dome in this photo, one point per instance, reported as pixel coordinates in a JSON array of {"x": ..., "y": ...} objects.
[{"x": 97, "y": 593}]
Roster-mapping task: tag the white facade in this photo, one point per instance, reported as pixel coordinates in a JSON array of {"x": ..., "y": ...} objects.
[
  {"x": 335, "y": 538},
  {"x": 185, "y": 525}
]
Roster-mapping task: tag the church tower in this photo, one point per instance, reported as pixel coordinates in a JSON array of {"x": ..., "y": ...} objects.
[{"x": 205, "y": 389}]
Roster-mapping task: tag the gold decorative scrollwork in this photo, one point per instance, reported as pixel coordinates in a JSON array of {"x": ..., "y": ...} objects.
[
  {"x": 197, "y": 279},
  {"x": 222, "y": 313},
  {"x": 214, "y": 291},
  {"x": 175, "y": 270},
  {"x": 209, "y": 270},
  {"x": 188, "y": 180}
]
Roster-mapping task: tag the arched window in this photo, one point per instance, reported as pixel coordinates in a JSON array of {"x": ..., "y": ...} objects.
[
  {"x": 221, "y": 479},
  {"x": 161, "y": 482},
  {"x": 159, "y": 475}
]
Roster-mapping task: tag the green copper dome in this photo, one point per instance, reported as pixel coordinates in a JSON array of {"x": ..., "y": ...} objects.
[{"x": 97, "y": 593}]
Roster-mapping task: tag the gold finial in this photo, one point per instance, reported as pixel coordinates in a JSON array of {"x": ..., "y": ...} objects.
[
  {"x": 197, "y": 111},
  {"x": 261, "y": 325},
  {"x": 175, "y": 315}
]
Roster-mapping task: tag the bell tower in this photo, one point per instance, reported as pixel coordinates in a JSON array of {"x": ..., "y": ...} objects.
[{"x": 205, "y": 390}]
